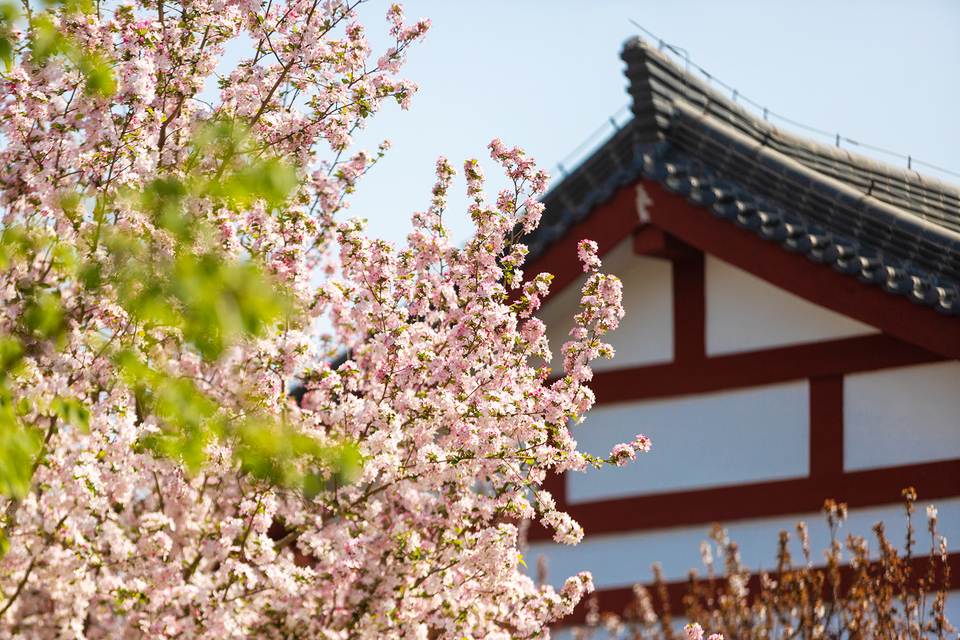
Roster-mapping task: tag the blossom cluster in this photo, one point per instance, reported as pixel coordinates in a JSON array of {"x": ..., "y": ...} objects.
[
  {"x": 624, "y": 452},
  {"x": 156, "y": 262},
  {"x": 694, "y": 631}
]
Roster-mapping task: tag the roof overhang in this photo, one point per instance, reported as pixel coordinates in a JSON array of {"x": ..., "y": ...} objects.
[{"x": 879, "y": 244}]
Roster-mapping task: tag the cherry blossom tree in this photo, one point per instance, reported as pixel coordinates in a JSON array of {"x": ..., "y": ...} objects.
[{"x": 158, "y": 267}]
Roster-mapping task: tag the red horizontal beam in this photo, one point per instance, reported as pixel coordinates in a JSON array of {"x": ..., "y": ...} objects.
[
  {"x": 753, "y": 368},
  {"x": 868, "y": 488}
]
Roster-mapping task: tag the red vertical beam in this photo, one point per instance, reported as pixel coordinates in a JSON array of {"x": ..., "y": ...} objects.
[
  {"x": 689, "y": 309},
  {"x": 556, "y": 484},
  {"x": 826, "y": 427}
]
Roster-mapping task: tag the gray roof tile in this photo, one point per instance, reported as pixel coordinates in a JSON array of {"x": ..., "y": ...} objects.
[{"x": 882, "y": 224}]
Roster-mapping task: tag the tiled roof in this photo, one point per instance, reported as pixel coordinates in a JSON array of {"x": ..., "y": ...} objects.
[{"x": 882, "y": 224}]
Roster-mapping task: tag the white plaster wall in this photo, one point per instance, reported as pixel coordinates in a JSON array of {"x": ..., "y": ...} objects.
[
  {"x": 645, "y": 334},
  {"x": 746, "y": 313},
  {"x": 714, "y": 439},
  {"x": 622, "y": 560},
  {"x": 901, "y": 416}
]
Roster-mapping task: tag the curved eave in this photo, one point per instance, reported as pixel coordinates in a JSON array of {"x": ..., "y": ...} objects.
[
  {"x": 657, "y": 83},
  {"x": 762, "y": 190},
  {"x": 856, "y": 272}
]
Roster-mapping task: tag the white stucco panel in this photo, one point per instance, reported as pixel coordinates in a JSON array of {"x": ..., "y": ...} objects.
[
  {"x": 724, "y": 438},
  {"x": 645, "y": 334},
  {"x": 745, "y": 313},
  {"x": 901, "y": 416}
]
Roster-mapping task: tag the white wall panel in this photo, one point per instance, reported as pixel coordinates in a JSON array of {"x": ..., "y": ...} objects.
[
  {"x": 746, "y": 313},
  {"x": 624, "y": 559},
  {"x": 714, "y": 439},
  {"x": 901, "y": 416},
  {"x": 645, "y": 334}
]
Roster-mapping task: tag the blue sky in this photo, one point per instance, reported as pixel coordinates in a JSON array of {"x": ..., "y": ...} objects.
[{"x": 547, "y": 75}]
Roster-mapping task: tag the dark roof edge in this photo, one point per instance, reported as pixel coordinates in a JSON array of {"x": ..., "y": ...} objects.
[
  {"x": 656, "y": 82},
  {"x": 613, "y": 165},
  {"x": 872, "y": 206}
]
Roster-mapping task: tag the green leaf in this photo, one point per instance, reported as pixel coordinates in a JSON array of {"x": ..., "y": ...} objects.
[
  {"x": 43, "y": 315},
  {"x": 187, "y": 415},
  {"x": 91, "y": 275},
  {"x": 11, "y": 352},
  {"x": 99, "y": 75},
  {"x": 4, "y": 544},
  {"x": 6, "y": 51},
  {"x": 271, "y": 181},
  {"x": 17, "y": 455},
  {"x": 72, "y": 412},
  {"x": 46, "y": 41},
  {"x": 71, "y": 6},
  {"x": 163, "y": 199},
  {"x": 9, "y": 13},
  {"x": 349, "y": 462}
]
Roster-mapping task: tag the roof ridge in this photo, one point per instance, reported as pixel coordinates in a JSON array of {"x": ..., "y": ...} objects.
[
  {"x": 866, "y": 200},
  {"x": 656, "y": 81}
]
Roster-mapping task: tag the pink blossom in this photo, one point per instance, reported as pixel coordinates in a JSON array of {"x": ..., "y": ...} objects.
[
  {"x": 621, "y": 454},
  {"x": 693, "y": 631},
  {"x": 642, "y": 443},
  {"x": 181, "y": 489}
]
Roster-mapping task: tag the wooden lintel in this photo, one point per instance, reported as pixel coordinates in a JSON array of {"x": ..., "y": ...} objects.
[{"x": 651, "y": 241}]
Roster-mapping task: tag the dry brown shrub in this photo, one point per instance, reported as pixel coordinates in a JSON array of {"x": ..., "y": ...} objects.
[{"x": 897, "y": 595}]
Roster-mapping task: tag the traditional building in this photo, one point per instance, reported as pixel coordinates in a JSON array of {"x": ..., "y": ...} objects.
[{"x": 792, "y": 335}]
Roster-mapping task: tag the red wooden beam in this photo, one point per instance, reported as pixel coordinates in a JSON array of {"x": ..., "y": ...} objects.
[
  {"x": 650, "y": 241},
  {"x": 753, "y": 368},
  {"x": 867, "y": 488},
  {"x": 826, "y": 427},
  {"x": 689, "y": 309}
]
